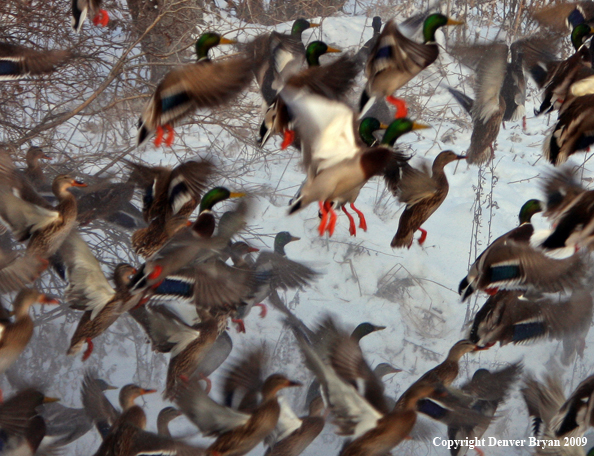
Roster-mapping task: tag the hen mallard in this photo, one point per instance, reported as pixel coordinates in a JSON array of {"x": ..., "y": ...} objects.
[
  {"x": 30, "y": 217},
  {"x": 274, "y": 271},
  {"x": 489, "y": 107},
  {"x": 165, "y": 416},
  {"x": 396, "y": 59},
  {"x": 236, "y": 432},
  {"x": 89, "y": 290},
  {"x": 34, "y": 172},
  {"x": 17, "y": 62},
  {"x": 80, "y": 9},
  {"x": 188, "y": 345},
  {"x": 511, "y": 262},
  {"x": 489, "y": 390},
  {"x": 365, "y": 417},
  {"x": 15, "y": 336},
  {"x": 422, "y": 192},
  {"x": 21, "y": 427},
  {"x": 63, "y": 424},
  {"x": 204, "y": 84}
]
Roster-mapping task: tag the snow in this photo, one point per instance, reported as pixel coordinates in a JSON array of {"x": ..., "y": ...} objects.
[{"x": 412, "y": 292}]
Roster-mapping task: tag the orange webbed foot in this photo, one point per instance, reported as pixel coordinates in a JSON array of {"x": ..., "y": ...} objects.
[
  {"x": 362, "y": 221},
  {"x": 159, "y": 136},
  {"x": 289, "y": 137},
  {"x": 423, "y": 237},
  {"x": 170, "y": 135},
  {"x": 263, "y": 311},
  {"x": 89, "y": 349},
  {"x": 240, "y": 325},
  {"x": 352, "y": 227},
  {"x": 101, "y": 18},
  {"x": 401, "y": 109},
  {"x": 332, "y": 221},
  {"x": 324, "y": 220}
]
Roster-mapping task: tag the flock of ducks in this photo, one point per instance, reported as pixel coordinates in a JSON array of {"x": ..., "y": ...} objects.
[{"x": 538, "y": 285}]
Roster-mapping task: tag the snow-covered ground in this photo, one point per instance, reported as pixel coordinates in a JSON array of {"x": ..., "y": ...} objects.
[{"x": 411, "y": 292}]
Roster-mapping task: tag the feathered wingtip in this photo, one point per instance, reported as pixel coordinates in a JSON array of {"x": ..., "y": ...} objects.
[
  {"x": 559, "y": 187},
  {"x": 143, "y": 133},
  {"x": 465, "y": 101},
  {"x": 465, "y": 289},
  {"x": 296, "y": 205},
  {"x": 257, "y": 50}
]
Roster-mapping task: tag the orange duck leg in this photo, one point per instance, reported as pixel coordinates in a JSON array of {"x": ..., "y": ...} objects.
[
  {"x": 352, "y": 227},
  {"x": 362, "y": 221}
]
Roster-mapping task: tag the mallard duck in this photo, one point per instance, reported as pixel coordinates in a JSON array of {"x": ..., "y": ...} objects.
[
  {"x": 395, "y": 59},
  {"x": 446, "y": 372},
  {"x": 15, "y": 336},
  {"x": 510, "y": 262},
  {"x": 374, "y": 429},
  {"x": 165, "y": 416},
  {"x": 63, "y": 424},
  {"x": 363, "y": 54},
  {"x": 21, "y": 428},
  {"x": 509, "y": 316},
  {"x": 561, "y": 75},
  {"x": 80, "y": 9},
  {"x": 294, "y": 434},
  {"x": 335, "y": 162},
  {"x": 273, "y": 271},
  {"x": 43, "y": 226},
  {"x": 167, "y": 192},
  {"x": 553, "y": 416},
  {"x": 563, "y": 16},
  {"x": 203, "y": 84},
  {"x": 332, "y": 81},
  {"x": 34, "y": 172},
  {"x": 488, "y": 109},
  {"x": 127, "y": 436},
  {"x": 489, "y": 390},
  {"x": 100, "y": 410},
  {"x": 188, "y": 345},
  {"x": 170, "y": 195},
  {"x": 190, "y": 243},
  {"x": 572, "y": 132},
  {"x": 89, "y": 290},
  {"x": 513, "y": 89},
  {"x": 568, "y": 207},
  {"x": 236, "y": 432},
  {"x": 18, "y": 271},
  {"x": 367, "y": 127},
  {"x": 422, "y": 193},
  {"x": 18, "y": 62},
  {"x": 109, "y": 201},
  {"x": 284, "y": 56}
]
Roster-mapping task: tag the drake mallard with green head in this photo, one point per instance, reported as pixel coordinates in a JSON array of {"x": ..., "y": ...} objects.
[{"x": 204, "y": 84}]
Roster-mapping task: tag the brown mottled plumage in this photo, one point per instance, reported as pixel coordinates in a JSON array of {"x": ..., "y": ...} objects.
[{"x": 423, "y": 194}]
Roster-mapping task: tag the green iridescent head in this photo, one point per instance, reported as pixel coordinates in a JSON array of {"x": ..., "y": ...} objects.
[
  {"x": 433, "y": 22},
  {"x": 398, "y": 127},
  {"x": 529, "y": 208},
  {"x": 367, "y": 127},
  {"x": 216, "y": 195},
  {"x": 579, "y": 34},
  {"x": 282, "y": 239},
  {"x": 364, "y": 329},
  {"x": 207, "y": 41},
  {"x": 315, "y": 49},
  {"x": 300, "y": 26}
]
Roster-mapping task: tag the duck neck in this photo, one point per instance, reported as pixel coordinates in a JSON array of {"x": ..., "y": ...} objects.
[
  {"x": 134, "y": 416},
  {"x": 163, "y": 425},
  {"x": 279, "y": 247},
  {"x": 21, "y": 312}
]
